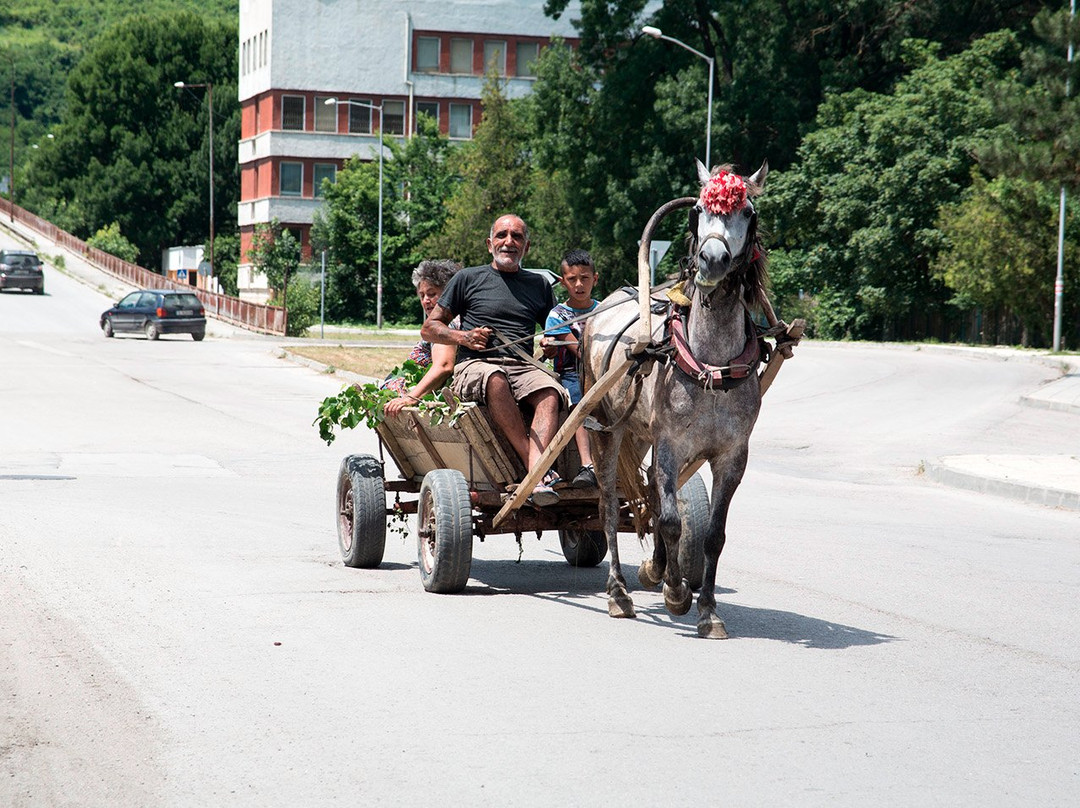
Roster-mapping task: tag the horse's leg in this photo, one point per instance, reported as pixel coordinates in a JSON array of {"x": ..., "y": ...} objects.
[
  {"x": 678, "y": 596},
  {"x": 605, "y": 456},
  {"x": 726, "y": 478},
  {"x": 651, "y": 570}
]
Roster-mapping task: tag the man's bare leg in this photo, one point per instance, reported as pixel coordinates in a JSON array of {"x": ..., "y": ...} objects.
[
  {"x": 505, "y": 413},
  {"x": 545, "y": 422}
]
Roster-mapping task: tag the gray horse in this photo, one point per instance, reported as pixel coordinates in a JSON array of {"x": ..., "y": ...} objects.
[{"x": 699, "y": 406}]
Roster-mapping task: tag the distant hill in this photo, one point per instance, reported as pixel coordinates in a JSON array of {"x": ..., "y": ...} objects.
[{"x": 42, "y": 40}]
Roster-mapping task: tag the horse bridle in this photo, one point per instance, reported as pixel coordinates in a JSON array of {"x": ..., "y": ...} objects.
[{"x": 689, "y": 264}]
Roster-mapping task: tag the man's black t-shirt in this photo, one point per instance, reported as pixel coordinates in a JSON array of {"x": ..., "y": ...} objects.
[{"x": 513, "y": 302}]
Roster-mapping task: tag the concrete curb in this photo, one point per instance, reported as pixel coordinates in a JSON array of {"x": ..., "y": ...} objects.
[{"x": 951, "y": 472}]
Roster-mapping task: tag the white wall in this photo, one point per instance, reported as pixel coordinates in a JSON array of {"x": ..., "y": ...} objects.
[{"x": 363, "y": 45}]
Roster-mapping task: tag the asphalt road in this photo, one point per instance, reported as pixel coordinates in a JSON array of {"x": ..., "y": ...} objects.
[{"x": 177, "y": 629}]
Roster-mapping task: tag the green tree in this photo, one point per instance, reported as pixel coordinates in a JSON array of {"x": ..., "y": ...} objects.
[
  {"x": 275, "y": 252},
  {"x": 131, "y": 148},
  {"x": 417, "y": 182},
  {"x": 861, "y": 206},
  {"x": 1001, "y": 242},
  {"x": 109, "y": 239},
  {"x": 494, "y": 176},
  {"x": 1042, "y": 108}
]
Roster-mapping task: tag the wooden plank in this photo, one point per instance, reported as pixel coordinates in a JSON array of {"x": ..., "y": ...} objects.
[
  {"x": 429, "y": 446},
  {"x": 564, "y": 436},
  {"x": 795, "y": 331},
  {"x": 397, "y": 453}
]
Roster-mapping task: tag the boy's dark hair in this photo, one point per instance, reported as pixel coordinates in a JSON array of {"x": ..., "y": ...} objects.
[{"x": 578, "y": 258}]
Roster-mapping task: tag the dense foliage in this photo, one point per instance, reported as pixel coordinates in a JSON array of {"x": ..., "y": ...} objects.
[{"x": 918, "y": 152}]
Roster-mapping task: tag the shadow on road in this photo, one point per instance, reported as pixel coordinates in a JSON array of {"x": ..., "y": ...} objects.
[{"x": 584, "y": 589}]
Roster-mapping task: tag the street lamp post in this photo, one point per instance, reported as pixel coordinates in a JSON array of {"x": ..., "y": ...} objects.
[
  {"x": 656, "y": 33},
  {"x": 210, "y": 104},
  {"x": 11, "y": 164},
  {"x": 378, "y": 279},
  {"x": 1059, "y": 280}
]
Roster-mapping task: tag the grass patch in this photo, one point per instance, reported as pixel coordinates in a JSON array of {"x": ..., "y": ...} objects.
[{"x": 373, "y": 362}]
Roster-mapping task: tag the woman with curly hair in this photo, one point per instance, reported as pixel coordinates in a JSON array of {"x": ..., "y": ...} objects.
[{"x": 429, "y": 278}]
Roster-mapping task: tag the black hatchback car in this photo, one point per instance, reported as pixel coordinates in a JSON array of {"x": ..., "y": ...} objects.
[
  {"x": 155, "y": 312},
  {"x": 21, "y": 269}
]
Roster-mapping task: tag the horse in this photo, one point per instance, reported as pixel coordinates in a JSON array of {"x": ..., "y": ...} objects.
[{"x": 700, "y": 405}]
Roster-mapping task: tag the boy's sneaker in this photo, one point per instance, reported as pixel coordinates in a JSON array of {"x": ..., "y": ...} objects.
[
  {"x": 585, "y": 478},
  {"x": 545, "y": 493}
]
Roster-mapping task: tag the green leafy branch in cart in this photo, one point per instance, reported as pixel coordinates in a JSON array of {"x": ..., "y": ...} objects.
[{"x": 365, "y": 404}]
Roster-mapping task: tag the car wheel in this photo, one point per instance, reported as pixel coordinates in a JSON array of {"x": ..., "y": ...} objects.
[
  {"x": 198, "y": 335},
  {"x": 152, "y": 331},
  {"x": 40, "y": 290},
  {"x": 107, "y": 328}
]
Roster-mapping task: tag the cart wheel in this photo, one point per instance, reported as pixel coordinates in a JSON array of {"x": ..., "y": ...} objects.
[
  {"x": 444, "y": 531},
  {"x": 694, "y": 507},
  {"x": 583, "y": 548},
  {"x": 361, "y": 511}
]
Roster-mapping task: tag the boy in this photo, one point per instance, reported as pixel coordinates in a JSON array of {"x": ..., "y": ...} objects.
[{"x": 579, "y": 276}]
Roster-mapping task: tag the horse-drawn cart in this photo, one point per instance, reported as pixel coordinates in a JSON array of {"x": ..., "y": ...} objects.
[{"x": 457, "y": 475}]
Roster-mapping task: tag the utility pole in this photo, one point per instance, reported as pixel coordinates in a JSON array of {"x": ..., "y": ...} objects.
[{"x": 1059, "y": 281}]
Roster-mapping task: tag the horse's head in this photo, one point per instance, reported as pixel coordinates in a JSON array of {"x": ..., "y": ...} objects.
[{"x": 723, "y": 223}]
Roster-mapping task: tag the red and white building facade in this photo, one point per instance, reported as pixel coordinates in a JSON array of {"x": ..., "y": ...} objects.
[{"x": 408, "y": 56}]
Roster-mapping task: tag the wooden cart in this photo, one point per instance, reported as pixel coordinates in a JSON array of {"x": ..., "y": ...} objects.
[{"x": 459, "y": 479}]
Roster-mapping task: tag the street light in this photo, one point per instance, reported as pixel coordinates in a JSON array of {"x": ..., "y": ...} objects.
[
  {"x": 378, "y": 279},
  {"x": 210, "y": 104},
  {"x": 656, "y": 33},
  {"x": 11, "y": 170}
]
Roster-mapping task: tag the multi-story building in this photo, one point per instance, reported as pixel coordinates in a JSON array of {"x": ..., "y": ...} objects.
[{"x": 408, "y": 57}]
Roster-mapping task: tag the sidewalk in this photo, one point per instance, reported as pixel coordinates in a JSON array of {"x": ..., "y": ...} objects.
[{"x": 1052, "y": 480}]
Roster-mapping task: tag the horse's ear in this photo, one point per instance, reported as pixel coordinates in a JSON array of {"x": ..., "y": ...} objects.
[
  {"x": 702, "y": 172},
  {"x": 758, "y": 178}
]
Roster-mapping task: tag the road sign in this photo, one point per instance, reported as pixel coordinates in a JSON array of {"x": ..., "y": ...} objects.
[
  {"x": 206, "y": 268},
  {"x": 657, "y": 251},
  {"x": 181, "y": 274}
]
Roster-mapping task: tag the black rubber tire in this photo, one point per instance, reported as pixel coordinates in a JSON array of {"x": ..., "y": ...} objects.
[
  {"x": 152, "y": 331},
  {"x": 361, "y": 511},
  {"x": 444, "y": 531},
  {"x": 583, "y": 548},
  {"x": 198, "y": 336},
  {"x": 39, "y": 291},
  {"x": 107, "y": 328},
  {"x": 694, "y": 507}
]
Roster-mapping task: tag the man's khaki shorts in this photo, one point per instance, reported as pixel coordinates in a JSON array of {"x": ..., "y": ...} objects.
[{"x": 471, "y": 378}]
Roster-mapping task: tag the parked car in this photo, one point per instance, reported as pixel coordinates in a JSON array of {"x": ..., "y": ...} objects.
[
  {"x": 155, "y": 312},
  {"x": 21, "y": 269}
]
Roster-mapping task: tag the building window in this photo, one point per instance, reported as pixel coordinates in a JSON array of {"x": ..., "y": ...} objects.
[
  {"x": 393, "y": 117},
  {"x": 495, "y": 53},
  {"x": 292, "y": 112},
  {"x": 429, "y": 108},
  {"x": 325, "y": 115},
  {"x": 461, "y": 121},
  {"x": 527, "y": 54},
  {"x": 320, "y": 172},
  {"x": 427, "y": 54},
  {"x": 292, "y": 179},
  {"x": 360, "y": 117},
  {"x": 460, "y": 55}
]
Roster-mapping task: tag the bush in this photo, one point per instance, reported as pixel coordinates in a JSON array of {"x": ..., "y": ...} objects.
[{"x": 110, "y": 240}]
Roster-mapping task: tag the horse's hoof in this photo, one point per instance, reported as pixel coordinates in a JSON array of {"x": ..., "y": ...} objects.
[
  {"x": 620, "y": 606},
  {"x": 645, "y": 575},
  {"x": 712, "y": 628},
  {"x": 679, "y": 598}
]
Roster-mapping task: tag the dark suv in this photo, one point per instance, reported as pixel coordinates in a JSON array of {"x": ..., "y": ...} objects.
[
  {"x": 155, "y": 312},
  {"x": 21, "y": 269}
]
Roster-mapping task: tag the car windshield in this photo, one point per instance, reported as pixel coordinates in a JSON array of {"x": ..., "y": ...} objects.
[
  {"x": 182, "y": 301},
  {"x": 21, "y": 260}
]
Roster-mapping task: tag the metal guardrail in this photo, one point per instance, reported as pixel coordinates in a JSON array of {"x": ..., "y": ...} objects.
[{"x": 254, "y": 316}]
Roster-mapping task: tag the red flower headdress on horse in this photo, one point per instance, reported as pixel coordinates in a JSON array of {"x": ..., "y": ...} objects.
[{"x": 724, "y": 193}]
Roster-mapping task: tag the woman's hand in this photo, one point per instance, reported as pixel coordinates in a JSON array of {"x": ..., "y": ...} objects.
[{"x": 396, "y": 405}]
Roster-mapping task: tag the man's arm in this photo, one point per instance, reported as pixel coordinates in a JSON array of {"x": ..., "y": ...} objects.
[{"x": 437, "y": 329}]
